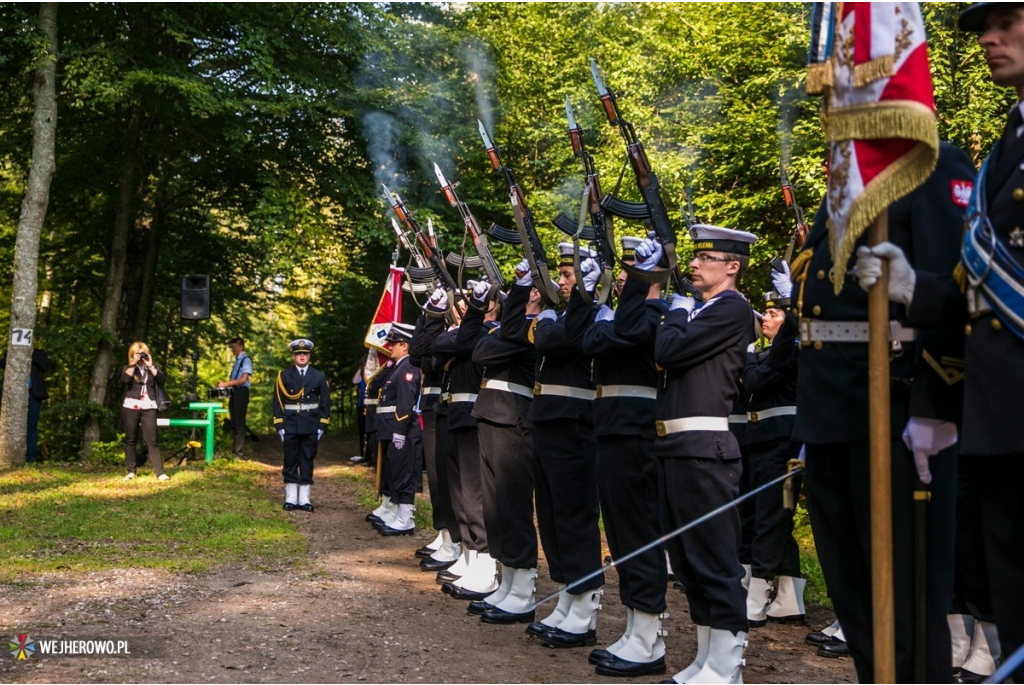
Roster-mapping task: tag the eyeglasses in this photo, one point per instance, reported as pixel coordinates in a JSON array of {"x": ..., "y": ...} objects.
[
  {"x": 704, "y": 258},
  {"x": 300, "y": 354}
]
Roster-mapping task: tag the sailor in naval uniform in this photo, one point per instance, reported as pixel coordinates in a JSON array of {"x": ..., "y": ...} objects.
[{"x": 302, "y": 412}]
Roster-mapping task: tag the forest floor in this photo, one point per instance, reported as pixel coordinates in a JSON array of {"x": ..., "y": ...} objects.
[{"x": 356, "y": 608}]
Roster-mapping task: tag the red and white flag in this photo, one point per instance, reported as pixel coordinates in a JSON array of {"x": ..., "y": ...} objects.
[
  {"x": 870, "y": 60},
  {"x": 389, "y": 310}
]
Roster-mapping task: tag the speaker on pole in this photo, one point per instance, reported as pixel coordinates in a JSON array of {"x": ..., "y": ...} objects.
[{"x": 195, "y": 297}]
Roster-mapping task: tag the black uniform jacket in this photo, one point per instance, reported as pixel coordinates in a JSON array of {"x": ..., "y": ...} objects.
[
  {"x": 427, "y": 330},
  {"x": 560, "y": 361},
  {"x": 619, "y": 362},
  {"x": 373, "y": 394},
  {"x": 994, "y": 359},
  {"x": 832, "y": 388},
  {"x": 506, "y": 361},
  {"x": 401, "y": 391},
  {"x": 770, "y": 379},
  {"x": 464, "y": 375},
  {"x": 309, "y": 397}
]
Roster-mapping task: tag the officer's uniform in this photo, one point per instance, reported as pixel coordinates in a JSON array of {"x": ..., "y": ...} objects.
[
  {"x": 372, "y": 399},
  {"x": 302, "y": 412},
  {"x": 832, "y": 421},
  {"x": 427, "y": 329}
]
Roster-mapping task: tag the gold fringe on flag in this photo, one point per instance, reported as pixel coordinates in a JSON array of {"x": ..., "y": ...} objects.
[
  {"x": 819, "y": 77},
  {"x": 878, "y": 68}
]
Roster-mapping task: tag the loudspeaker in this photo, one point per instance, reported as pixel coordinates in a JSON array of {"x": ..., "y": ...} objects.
[{"x": 195, "y": 297}]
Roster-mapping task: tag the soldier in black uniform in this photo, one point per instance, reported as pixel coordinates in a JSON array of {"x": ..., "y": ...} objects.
[
  {"x": 627, "y": 478},
  {"x": 770, "y": 380},
  {"x": 387, "y": 510},
  {"x": 302, "y": 412},
  {"x": 832, "y": 421},
  {"x": 397, "y": 420},
  {"x": 703, "y": 352}
]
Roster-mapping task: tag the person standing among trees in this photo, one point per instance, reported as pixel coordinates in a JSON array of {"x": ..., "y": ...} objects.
[
  {"x": 37, "y": 393},
  {"x": 141, "y": 378},
  {"x": 238, "y": 403}
]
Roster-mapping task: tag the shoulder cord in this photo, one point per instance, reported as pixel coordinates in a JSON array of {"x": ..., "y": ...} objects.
[{"x": 281, "y": 391}]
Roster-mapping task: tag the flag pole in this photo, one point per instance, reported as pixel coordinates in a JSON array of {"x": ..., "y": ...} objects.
[{"x": 881, "y": 481}]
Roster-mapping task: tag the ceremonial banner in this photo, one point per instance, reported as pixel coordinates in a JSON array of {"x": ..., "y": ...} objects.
[
  {"x": 870, "y": 61},
  {"x": 389, "y": 310}
]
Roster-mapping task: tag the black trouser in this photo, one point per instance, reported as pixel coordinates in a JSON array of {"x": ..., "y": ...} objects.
[
  {"x": 466, "y": 487},
  {"x": 972, "y": 593},
  {"x": 774, "y": 550},
  {"x": 299, "y": 453},
  {"x": 838, "y": 486},
  {"x": 385, "y": 467},
  {"x": 430, "y": 462},
  {"x": 565, "y": 480},
  {"x": 401, "y": 467},
  {"x": 1002, "y": 516},
  {"x": 238, "y": 405},
  {"x": 746, "y": 511},
  {"x": 133, "y": 418},
  {"x": 444, "y": 514},
  {"x": 627, "y": 480},
  {"x": 361, "y": 427},
  {"x": 705, "y": 558},
  {"x": 507, "y": 475}
]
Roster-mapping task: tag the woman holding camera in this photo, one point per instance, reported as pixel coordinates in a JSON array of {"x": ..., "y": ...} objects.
[{"x": 141, "y": 378}]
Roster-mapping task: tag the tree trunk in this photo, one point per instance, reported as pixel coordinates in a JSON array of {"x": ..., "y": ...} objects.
[
  {"x": 14, "y": 413},
  {"x": 114, "y": 283},
  {"x": 140, "y": 328}
]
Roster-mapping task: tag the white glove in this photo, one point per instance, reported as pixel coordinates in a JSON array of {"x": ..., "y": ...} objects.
[
  {"x": 479, "y": 292},
  {"x": 605, "y": 313},
  {"x": 281, "y": 433},
  {"x": 591, "y": 273},
  {"x": 902, "y": 277},
  {"x": 682, "y": 302},
  {"x": 398, "y": 440},
  {"x": 647, "y": 254},
  {"x": 925, "y": 438},
  {"x": 319, "y": 434},
  {"x": 803, "y": 454},
  {"x": 438, "y": 300},
  {"x": 548, "y": 315},
  {"x": 523, "y": 276},
  {"x": 782, "y": 282}
]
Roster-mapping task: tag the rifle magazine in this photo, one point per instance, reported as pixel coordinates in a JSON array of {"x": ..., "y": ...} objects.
[
  {"x": 504, "y": 235},
  {"x": 566, "y": 225},
  {"x": 625, "y": 209}
]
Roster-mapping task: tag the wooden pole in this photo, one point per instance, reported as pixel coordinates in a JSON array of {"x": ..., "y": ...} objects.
[
  {"x": 380, "y": 467},
  {"x": 881, "y": 479}
]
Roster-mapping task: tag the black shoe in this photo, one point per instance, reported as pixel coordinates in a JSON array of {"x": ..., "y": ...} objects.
[
  {"x": 389, "y": 532},
  {"x": 432, "y": 564},
  {"x": 561, "y": 639},
  {"x": 498, "y": 616},
  {"x": 818, "y": 638},
  {"x": 965, "y": 676},
  {"x": 289, "y": 506},
  {"x": 833, "y": 649},
  {"x": 621, "y": 668},
  {"x": 756, "y": 624},
  {"x": 798, "y": 619},
  {"x": 537, "y": 629},
  {"x": 596, "y": 656},
  {"x": 373, "y": 518},
  {"x": 478, "y": 608},
  {"x": 445, "y": 576},
  {"x": 466, "y": 595},
  {"x": 306, "y": 507},
  {"x": 678, "y": 585},
  {"x": 423, "y": 552}
]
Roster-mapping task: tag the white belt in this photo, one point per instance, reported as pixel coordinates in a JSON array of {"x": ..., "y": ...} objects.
[
  {"x": 431, "y": 390},
  {"x": 692, "y": 423},
  {"x": 564, "y": 391},
  {"x": 641, "y": 391},
  {"x": 462, "y": 397},
  {"x": 849, "y": 331},
  {"x": 977, "y": 305},
  {"x": 737, "y": 418},
  {"x": 756, "y": 416},
  {"x": 371, "y": 403},
  {"x": 385, "y": 410},
  {"x": 302, "y": 407},
  {"x": 505, "y": 386}
]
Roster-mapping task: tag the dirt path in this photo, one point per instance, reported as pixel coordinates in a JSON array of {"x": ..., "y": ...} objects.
[{"x": 359, "y": 610}]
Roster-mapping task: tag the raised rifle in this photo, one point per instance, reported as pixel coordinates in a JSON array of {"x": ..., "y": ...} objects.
[
  {"x": 423, "y": 249},
  {"x": 484, "y": 260},
  {"x": 802, "y": 229},
  {"x": 650, "y": 191},
  {"x": 532, "y": 246}
]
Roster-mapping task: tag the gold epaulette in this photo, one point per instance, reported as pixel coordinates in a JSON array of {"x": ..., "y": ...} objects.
[
  {"x": 802, "y": 262},
  {"x": 960, "y": 276},
  {"x": 529, "y": 331}
]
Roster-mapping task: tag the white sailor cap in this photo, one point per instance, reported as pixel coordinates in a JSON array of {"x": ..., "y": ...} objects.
[
  {"x": 565, "y": 254},
  {"x": 401, "y": 332},
  {"x": 301, "y": 345},
  {"x": 773, "y": 301},
  {"x": 719, "y": 239},
  {"x": 629, "y": 244}
]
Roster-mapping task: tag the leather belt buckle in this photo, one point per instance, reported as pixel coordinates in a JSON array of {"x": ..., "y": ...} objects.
[
  {"x": 753, "y": 417},
  {"x": 536, "y": 388},
  {"x": 659, "y": 427}
]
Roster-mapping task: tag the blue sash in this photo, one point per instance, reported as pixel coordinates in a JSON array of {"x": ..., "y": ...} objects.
[{"x": 990, "y": 266}]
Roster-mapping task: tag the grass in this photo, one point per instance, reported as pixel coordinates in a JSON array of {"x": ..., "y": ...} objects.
[
  {"x": 63, "y": 517},
  {"x": 815, "y": 593}
]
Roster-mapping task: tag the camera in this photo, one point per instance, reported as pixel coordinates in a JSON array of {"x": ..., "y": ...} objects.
[{"x": 143, "y": 356}]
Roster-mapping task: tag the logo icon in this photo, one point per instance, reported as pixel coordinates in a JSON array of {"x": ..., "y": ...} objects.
[
  {"x": 22, "y": 647},
  {"x": 961, "y": 192}
]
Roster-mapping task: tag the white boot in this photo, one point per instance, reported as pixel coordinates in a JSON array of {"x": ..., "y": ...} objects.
[
  {"x": 460, "y": 567},
  {"x": 833, "y": 630},
  {"x": 448, "y": 551},
  {"x": 291, "y": 493},
  {"x": 746, "y": 576},
  {"x": 646, "y": 642},
  {"x": 788, "y": 606},
  {"x": 703, "y": 642},
  {"x": 303, "y": 495},
  {"x": 579, "y": 627},
  {"x": 520, "y": 594},
  {"x": 757, "y": 600},
  {"x": 961, "y": 628},
  {"x": 985, "y": 650},
  {"x": 436, "y": 543},
  {"x": 555, "y": 618},
  {"x": 385, "y": 507},
  {"x": 507, "y": 574},
  {"x": 480, "y": 574},
  {"x": 725, "y": 658},
  {"x": 403, "y": 519},
  {"x": 618, "y": 644}
]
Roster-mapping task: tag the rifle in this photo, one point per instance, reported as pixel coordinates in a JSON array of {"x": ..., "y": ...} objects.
[
  {"x": 423, "y": 250},
  {"x": 601, "y": 221},
  {"x": 534, "y": 250},
  {"x": 802, "y": 229},
  {"x": 484, "y": 259},
  {"x": 419, "y": 278},
  {"x": 647, "y": 182}
]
